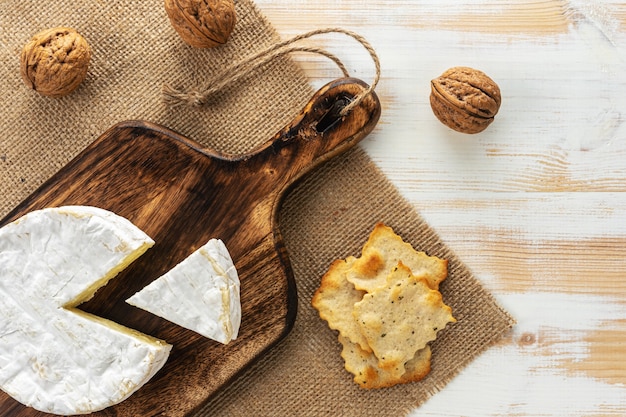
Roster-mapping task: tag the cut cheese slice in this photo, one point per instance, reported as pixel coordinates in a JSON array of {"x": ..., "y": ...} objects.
[
  {"x": 201, "y": 294},
  {"x": 53, "y": 357}
]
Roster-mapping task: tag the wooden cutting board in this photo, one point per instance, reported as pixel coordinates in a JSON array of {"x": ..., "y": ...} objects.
[{"x": 182, "y": 195}]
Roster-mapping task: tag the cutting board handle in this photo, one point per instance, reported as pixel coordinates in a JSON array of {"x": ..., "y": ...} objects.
[{"x": 319, "y": 132}]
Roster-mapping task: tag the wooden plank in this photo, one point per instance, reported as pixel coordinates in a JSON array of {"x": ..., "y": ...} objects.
[{"x": 535, "y": 205}]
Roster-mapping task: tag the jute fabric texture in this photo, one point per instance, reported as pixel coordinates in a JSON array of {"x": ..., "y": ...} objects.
[{"x": 328, "y": 216}]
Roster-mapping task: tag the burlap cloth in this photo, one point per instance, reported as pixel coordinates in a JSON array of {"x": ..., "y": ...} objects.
[{"x": 135, "y": 52}]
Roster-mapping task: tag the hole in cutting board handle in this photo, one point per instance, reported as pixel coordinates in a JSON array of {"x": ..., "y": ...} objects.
[{"x": 333, "y": 115}]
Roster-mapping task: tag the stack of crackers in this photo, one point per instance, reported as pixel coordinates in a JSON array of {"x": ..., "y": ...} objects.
[{"x": 387, "y": 307}]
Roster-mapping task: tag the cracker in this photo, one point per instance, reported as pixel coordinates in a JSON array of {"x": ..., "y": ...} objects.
[
  {"x": 401, "y": 317},
  {"x": 386, "y": 307},
  {"x": 334, "y": 300},
  {"x": 382, "y": 252},
  {"x": 368, "y": 375}
]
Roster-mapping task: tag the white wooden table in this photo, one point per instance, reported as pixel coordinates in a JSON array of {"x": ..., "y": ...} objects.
[{"x": 535, "y": 205}]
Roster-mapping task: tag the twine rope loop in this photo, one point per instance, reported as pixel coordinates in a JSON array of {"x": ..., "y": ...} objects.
[{"x": 201, "y": 96}]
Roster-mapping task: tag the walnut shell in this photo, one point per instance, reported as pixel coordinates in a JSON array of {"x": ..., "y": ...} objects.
[
  {"x": 55, "y": 61},
  {"x": 202, "y": 23},
  {"x": 465, "y": 99}
]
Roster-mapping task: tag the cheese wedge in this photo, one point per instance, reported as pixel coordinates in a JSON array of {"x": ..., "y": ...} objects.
[
  {"x": 54, "y": 357},
  {"x": 201, "y": 293}
]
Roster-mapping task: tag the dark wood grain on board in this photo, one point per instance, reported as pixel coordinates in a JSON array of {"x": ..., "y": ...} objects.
[{"x": 182, "y": 195}]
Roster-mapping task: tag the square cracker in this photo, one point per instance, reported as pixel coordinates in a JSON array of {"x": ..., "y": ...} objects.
[
  {"x": 334, "y": 300},
  {"x": 401, "y": 317},
  {"x": 382, "y": 252},
  {"x": 368, "y": 375}
]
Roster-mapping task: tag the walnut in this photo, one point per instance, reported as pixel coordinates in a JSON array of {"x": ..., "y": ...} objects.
[
  {"x": 202, "y": 23},
  {"x": 465, "y": 99},
  {"x": 55, "y": 61}
]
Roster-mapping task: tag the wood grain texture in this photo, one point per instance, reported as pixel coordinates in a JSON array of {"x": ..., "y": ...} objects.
[
  {"x": 182, "y": 195},
  {"x": 535, "y": 205}
]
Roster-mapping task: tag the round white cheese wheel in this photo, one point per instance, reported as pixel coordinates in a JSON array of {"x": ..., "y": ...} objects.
[{"x": 53, "y": 357}]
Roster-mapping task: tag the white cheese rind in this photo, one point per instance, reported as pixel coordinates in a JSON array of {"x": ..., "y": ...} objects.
[
  {"x": 53, "y": 358},
  {"x": 201, "y": 293}
]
